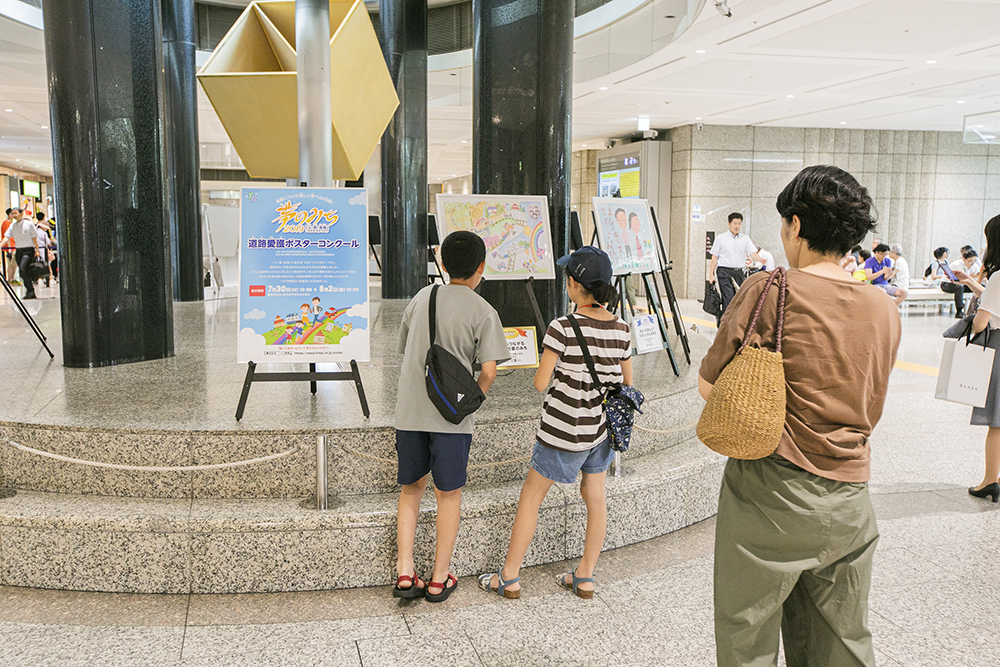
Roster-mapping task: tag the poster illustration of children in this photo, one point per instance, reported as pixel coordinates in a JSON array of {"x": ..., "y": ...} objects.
[{"x": 317, "y": 310}]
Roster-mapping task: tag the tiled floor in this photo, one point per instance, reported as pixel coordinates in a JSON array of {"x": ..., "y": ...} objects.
[{"x": 936, "y": 585}]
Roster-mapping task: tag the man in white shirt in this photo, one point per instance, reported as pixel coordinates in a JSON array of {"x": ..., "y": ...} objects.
[
  {"x": 732, "y": 253},
  {"x": 768, "y": 263},
  {"x": 970, "y": 264},
  {"x": 22, "y": 231},
  {"x": 901, "y": 281}
]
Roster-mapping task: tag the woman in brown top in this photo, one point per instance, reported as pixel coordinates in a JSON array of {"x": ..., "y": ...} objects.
[{"x": 796, "y": 531}]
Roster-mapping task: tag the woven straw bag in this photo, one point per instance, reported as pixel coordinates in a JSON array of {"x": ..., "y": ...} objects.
[{"x": 745, "y": 413}]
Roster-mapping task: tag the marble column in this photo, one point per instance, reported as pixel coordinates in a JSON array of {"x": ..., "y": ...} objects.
[
  {"x": 521, "y": 127},
  {"x": 105, "y": 81},
  {"x": 404, "y": 150},
  {"x": 183, "y": 157}
]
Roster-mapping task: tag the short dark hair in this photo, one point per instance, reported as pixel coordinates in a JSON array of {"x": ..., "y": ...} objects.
[
  {"x": 9, "y": 211},
  {"x": 964, "y": 248},
  {"x": 881, "y": 247},
  {"x": 969, "y": 253},
  {"x": 865, "y": 254},
  {"x": 734, "y": 215},
  {"x": 40, "y": 215},
  {"x": 856, "y": 249},
  {"x": 835, "y": 210},
  {"x": 462, "y": 253},
  {"x": 939, "y": 252}
]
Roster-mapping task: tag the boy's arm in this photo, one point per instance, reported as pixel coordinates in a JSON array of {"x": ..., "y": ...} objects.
[
  {"x": 627, "y": 371},
  {"x": 546, "y": 366},
  {"x": 487, "y": 375}
]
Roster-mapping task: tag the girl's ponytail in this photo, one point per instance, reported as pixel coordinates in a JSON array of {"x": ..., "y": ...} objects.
[{"x": 603, "y": 292}]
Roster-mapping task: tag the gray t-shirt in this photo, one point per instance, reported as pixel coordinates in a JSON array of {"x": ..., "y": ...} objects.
[{"x": 468, "y": 327}]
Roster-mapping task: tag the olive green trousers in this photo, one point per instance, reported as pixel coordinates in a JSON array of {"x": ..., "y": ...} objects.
[{"x": 793, "y": 551}]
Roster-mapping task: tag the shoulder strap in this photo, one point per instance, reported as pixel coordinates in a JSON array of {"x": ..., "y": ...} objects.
[
  {"x": 585, "y": 350},
  {"x": 779, "y": 274},
  {"x": 432, "y": 313}
]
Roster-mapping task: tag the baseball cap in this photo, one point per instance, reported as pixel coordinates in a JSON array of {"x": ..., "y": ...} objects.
[{"x": 588, "y": 265}]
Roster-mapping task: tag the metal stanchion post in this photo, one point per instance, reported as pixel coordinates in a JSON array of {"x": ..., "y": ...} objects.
[
  {"x": 321, "y": 480},
  {"x": 616, "y": 465}
]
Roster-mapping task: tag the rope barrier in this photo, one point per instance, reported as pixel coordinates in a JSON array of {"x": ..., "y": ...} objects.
[
  {"x": 272, "y": 457},
  {"x": 117, "y": 466}
]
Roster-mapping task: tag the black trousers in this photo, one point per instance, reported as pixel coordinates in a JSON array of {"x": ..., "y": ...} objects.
[
  {"x": 959, "y": 291},
  {"x": 730, "y": 280},
  {"x": 25, "y": 256}
]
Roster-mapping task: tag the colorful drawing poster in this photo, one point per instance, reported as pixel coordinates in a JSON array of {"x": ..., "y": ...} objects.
[
  {"x": 626, "y": 234},
  {"x": 522, "y": 344},
  {"x": 515, "y": 229},
  {"x": 303, "y": 275}
]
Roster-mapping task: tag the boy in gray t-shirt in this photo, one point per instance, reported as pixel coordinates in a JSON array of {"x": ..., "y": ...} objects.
[{"x": 426, "y": 443}]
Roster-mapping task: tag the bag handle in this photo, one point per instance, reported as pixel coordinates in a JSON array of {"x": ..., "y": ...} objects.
[
  {"x": 586, "y": 352},
  {"x": 432, "y": 314},
  {"x": 782, "y": 295},
  {"x": 969, "y": 336}
]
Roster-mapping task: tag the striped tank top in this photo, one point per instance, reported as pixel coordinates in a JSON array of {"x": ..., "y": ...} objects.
[{"x": 573, "y": 414}]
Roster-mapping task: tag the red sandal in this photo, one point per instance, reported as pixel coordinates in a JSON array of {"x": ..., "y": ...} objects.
[
  {"x": 446, "y": 590},
  {"x": 413, "y": 591}
]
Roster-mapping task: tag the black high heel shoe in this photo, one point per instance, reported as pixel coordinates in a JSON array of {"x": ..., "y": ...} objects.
[{"x": 991, "y": 490}]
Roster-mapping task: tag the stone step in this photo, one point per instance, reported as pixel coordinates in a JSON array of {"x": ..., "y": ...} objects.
[{"x": 135, "y": 545}]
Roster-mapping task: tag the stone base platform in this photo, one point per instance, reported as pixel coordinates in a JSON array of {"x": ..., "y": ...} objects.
[{"x": 242, "y": 529}]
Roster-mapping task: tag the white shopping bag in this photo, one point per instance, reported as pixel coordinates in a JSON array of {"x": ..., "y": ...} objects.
[{"x": 965, "y": 373}]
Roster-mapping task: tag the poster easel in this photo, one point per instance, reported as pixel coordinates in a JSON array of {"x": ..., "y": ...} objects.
[
  {"x": 675, "y": 310},
  {"x": 25, "y": 314}
]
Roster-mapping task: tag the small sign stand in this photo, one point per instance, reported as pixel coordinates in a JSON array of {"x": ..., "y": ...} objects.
[{"x": 312, "y": 377}]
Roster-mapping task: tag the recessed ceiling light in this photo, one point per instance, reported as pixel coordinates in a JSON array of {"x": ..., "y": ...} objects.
[
  {"x": 603, "y": 88},
  {"x": 961, "y": 101},
  {"x": 697, "y": 117},
  {"x": 16, "y": 160},
  {"x": 464, "y": 141},
  {"x": 789, "y": 96},
  {"x": 700, "y": 51},
  {"x": 45, "y": 127},
  {"x": 9, "y": 110},
  {"x": 585, "y": 145},
  {"x": 843, "y": 122},
  {"x": 931, "y": 62}
]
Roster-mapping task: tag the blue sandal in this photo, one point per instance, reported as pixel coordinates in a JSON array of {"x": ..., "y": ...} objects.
[
  {"x": 501, "y": 590},
  {"x": 586, "y": 595}
]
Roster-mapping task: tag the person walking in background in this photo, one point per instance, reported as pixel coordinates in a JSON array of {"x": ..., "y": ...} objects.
[
  {"x": 25, "y": 238},
  {"x": 901, "y": 276},
  {"x": 988, "y": 315},
  {"x": 7, "y": 247},
  {"x": 42, "y": 229},
  {"x": 731, "y": 254},
  {"x": 768, "y": 261},
  {"x": 53, "y": 250},
  {"x": 796, "y": 531}
]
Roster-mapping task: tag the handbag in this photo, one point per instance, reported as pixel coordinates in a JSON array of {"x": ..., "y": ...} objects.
[
  {"x": 966, "y": 370},
  {"x": 620, "y": 401},
  {"x": 38, "y": 269},
  {"x": 744, "y": 416},
  {"x": 451, "y": 387},
  {"x": 958, "y": 329},
  {"x": 713, "y": 300}
]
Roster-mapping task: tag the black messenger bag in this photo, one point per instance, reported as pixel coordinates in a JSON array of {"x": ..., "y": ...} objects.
[{"x": 452, "y": 389}]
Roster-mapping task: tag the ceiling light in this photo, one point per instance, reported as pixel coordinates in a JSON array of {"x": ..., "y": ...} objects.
[
  {"x": 790, "y": 96},
  {"x": 843, "y": 122},
  {"x": 603, "y": 88},
  {"x": 45, "y": 127},
  {"x": 9, "y": 110},
  {"x": 697, "y": 117},
  {"x": 643, "y": 124},
  {"x": 585, "y": 145},
  {"x": 701, "y": 51},
  {"x": 723, "y": 8},
  {"x": 464, "y": 141},
  {"x": 16, "y": 160},
  {"x": 931, "y": 62},
  {"x": 961, "y": 101}
]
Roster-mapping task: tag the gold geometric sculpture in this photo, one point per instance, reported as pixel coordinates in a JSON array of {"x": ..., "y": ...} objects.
[{"x": 250, "y": 80}]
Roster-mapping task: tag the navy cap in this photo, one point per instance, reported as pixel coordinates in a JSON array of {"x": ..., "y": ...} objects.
[{"x": 588, "y": 265}]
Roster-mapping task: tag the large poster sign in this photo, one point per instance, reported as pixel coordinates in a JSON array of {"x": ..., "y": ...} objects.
[
  {"x": 303, "y": 275},
  {"x": 515, "y": 229},
  {"x": 626, "y": 234}
]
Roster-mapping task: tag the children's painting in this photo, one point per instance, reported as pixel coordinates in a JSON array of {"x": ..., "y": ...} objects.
[
  {"x": 626, "y": 233},
  {"x": 303, "y": 275},
  {"x": 515, "y": 230}
]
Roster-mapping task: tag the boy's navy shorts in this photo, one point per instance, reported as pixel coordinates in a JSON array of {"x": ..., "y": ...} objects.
[{"x": 446, "y": 455}]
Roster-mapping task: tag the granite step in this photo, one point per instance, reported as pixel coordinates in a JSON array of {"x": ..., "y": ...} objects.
[{"x": 137, "y": 545}]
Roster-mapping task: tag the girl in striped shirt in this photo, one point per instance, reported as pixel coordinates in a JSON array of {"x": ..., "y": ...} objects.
[{"x": 572, "y": 436}]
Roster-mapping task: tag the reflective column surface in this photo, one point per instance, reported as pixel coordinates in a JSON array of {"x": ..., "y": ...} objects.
[
  {"x": 105, "y": 79},
  {"x": 183, "y": 163},
  {"x": 404, "y": 150},
  {"x": 523, "y": 70}
]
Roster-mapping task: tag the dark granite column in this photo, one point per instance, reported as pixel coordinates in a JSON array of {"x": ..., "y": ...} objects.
[
  {"x": 183, "y": 163},
  {"x": 521, "y": 127},
  {"x": 404, "y": 150},
  {"x": 105, "y": 76}
]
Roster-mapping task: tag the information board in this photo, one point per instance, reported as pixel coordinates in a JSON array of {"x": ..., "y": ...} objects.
[
  {"x": 515, "y": 229},
  {"x": 522, "y": 343},
  {"x": 646, "y": 334},
  {"x": 618, "y": 175},
  {"x": 303, "y": 275},
  {"x": 626, "y": 234}
]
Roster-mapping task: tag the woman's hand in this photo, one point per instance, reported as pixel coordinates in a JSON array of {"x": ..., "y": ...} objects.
[{"x": 963, "y": 277}]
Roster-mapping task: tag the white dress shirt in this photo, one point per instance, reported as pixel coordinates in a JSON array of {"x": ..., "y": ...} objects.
[
  {"x": 902, "y": 278},
  {"x": 768, "y": 258},
  {"x": 733, "y": 251},
  {"x": 23, "y": 233}
]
